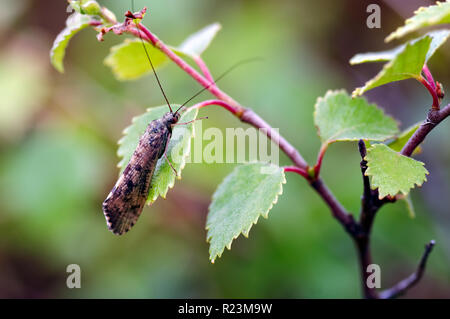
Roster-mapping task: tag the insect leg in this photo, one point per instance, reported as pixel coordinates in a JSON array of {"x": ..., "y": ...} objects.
[{"x": 167, "y": 159}]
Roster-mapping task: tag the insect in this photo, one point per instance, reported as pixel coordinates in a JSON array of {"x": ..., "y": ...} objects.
[
  {"x": 126, "y": 200},
  {"x": 124, "y": 204}
]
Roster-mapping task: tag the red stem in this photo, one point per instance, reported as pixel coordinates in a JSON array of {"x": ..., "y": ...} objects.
[
  {"x": 225, "y": 105},
  {"x": 429, "y": 76},
  {"x": 188, "y": 69},
  {"x": 202, "y": 65},
  {"x": 250, "y": 117},
  {"x": 432, "y": 91},
  {"x": 95, "y": 23},
  {"x": 318, "y": 165},
  {"x": 297, "y": 170}
]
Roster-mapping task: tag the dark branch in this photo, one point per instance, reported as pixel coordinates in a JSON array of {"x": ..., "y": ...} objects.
[
  {"x": 367, "y": 192},
  {"x": 371, "y": 204},
  {"x": 434, "y": 118},
  {"x": 404, "y": 285},
  {"x": 367, "y": 215}
]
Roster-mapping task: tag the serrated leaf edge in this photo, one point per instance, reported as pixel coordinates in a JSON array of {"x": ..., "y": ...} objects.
[
  {"x": 244, "y": 232},
  {"x": 404, "y": 133},
  {"x": 374, "y": 186},
  {"x": 397, "y": 34},
  {"x": 391, "y": 54},
  {"x": 361, "y": 90},
  {"x": 335, "y": 92}
]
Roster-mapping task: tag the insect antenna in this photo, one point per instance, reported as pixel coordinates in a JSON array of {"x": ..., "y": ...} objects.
[
  {"x": 150, "y": 61},
  {"x": 217, "y": 79}
]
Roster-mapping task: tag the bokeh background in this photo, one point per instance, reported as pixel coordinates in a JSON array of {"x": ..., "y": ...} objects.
[{"x": 58, "y": 135}]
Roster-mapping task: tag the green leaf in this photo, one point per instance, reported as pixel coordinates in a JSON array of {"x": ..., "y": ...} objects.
[
  {"x": 391, "y": 172},
  {"x": 198, "y": 42},
  {"x": 128, "y": 60},
  {"x": 438, "y": 38},
  {"x": 423, "y": 17},
  {"x": 338, "y": 117},
  {"x": 177, "y": 150},
  {"x": 74, "y": 23},
  {"x": 398, "y": 144},
  {"x": 248, "y": 192},
  {"x": 380, "y": 56},
  {"x": 406, "y": 64}
]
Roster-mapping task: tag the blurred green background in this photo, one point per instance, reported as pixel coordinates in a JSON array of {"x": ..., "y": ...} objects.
[{"x": 58, "y": 136}]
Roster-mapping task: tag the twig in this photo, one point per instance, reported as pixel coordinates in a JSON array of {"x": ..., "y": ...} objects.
[
  {"x": 297, "y": 170},
  {"x": 434, "y": 118},
  {"x": 365, "y": 259},
  {"x": 432, "y": 91},
  {"x": 429, "y": 76},
  {"x": 369, "y": 206},
  {"x": 187, "y": 68},
  {"x": 202, "y": 65},
  {"x": 406, "y": 284},
  {"x": 223, "y": 104},
  {"x": 370, "y": 203},
  {"x": 367, "y": 192},
  {"x": 250, "y": 117},
  {"x": 319, "y": 161},
  {"x": 95, "y": 23},
  {"x": 338, "y": 211}
]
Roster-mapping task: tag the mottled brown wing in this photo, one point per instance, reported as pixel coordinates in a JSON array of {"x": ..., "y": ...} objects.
[{"x": 126, "y": 201}]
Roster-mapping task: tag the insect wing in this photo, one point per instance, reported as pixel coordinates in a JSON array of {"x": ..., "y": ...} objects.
[{"x": 126, "y": 201}]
